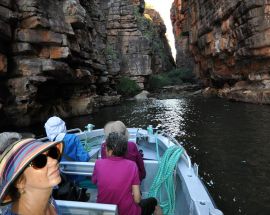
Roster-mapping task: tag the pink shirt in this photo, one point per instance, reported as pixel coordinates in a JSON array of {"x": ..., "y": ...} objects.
[
  {"x": 132, "y": 154},
  {"x": 114, "y": 177}
]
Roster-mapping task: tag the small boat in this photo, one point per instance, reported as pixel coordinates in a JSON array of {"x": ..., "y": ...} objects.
[{"x": 190, "y": 196}]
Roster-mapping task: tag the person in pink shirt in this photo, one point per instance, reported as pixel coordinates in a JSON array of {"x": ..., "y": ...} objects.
[
  {"x": 118, "y": 181},
  {"x": 132, "y": 151}
]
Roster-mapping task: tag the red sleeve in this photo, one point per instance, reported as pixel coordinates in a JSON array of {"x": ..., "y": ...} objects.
[
  {"x": 140, "y": 164},
  {"x": 139, "y": 161}
]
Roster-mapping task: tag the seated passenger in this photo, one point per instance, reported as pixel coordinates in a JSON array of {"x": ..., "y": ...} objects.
[
  {"x": 132, "y": 150},
  {"x": 29, "y": 171},
  {"x": 118, "y": 180},
  {"x": 73, "y": 150}
]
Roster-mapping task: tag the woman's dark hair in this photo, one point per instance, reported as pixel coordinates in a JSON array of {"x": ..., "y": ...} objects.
[
  {"x": 117, "y": 143},
  {"x": 13, "y": 191}
]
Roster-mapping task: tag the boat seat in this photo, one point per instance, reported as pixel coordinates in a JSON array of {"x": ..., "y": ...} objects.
[
  {"x": 77, "y": 168},
  {"x": 85, "y": 208}
]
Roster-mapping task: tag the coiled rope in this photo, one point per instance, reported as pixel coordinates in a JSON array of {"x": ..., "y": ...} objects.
[{"x": 165, "y": 176}]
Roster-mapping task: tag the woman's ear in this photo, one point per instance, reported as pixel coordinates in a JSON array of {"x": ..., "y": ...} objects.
[
  {"x": 108, "y": 152},
  {"x": 20, "y": 182}
]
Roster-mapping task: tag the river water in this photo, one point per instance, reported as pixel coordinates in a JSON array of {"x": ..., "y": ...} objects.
[{"x": 229, "y": 141}]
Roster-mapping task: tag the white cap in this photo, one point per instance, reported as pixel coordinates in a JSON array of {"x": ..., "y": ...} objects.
[{"x": 55, "y": 126}]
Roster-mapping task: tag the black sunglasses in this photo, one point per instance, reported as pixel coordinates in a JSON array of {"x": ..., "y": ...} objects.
[{"x": 40, "y": 161}]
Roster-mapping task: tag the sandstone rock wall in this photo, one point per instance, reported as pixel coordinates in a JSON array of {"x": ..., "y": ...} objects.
[
  {"x": 128, "y": 51},
  {"x": 184, "y": 58},
  {"x": 136, "y": 46},
  {"x": 65, "y": 57},
  {"x": 229, "y": 43},
  {"x": 53, "y": 58}
]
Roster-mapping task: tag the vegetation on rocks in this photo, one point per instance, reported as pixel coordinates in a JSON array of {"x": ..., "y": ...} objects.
[
  {"x": 150, "y": 31},
  {"x": 144, "y": 23},
  {"x": 127, "y": 87},
  {"x": 174, "y": 77},
  {"x": 184, "y": 74},
  {"x": 110, "y": 52},
  {"x": 158, "y": 81}
]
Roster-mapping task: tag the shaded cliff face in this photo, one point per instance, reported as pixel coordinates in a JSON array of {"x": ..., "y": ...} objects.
[
  {"x": 65, "y": 57},
  {"x": 184, "y": 58},
  {"x": 53, "y": 58},
  {"x": 229, "y": 43}
]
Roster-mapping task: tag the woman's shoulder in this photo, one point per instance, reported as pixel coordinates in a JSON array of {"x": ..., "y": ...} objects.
[
  {"x": 71, "y": 138},
  {"x": 132, "y": 148},
  {"x": 129, "y": 163},
  {"x": 132, "y": 145},
  {"x": 101, "y": 161}
]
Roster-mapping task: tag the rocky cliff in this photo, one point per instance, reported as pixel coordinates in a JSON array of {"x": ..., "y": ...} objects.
[
  {"x": 184, "y": 58},
  {"x": 65, "y": 57},
  {"x": 229, "y": 43}
]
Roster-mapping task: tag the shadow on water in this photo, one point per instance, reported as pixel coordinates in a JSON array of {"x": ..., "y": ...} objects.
[{"x": 229, "y": 141}]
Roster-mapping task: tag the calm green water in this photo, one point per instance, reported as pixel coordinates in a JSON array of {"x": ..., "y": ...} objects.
[{"x": 229, "y": 141}]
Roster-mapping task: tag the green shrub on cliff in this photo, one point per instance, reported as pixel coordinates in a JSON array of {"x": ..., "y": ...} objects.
[
  {"x": 174, "y": 77},
  {"x": 183, "y": 74},
  {"x": 158, "y": 81},
  {"x": 127, "y": 87}
]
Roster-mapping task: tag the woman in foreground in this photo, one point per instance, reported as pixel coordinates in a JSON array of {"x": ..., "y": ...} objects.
[{"x": 28, "y": 172}]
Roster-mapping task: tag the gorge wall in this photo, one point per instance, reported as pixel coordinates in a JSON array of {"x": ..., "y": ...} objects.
[
  {"x": 229, "y": 42},
  {"x": 65, "y": 57}
]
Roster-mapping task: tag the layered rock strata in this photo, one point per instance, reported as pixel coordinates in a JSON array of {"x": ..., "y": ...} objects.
[
  {"x": 229, "y": 43},
  {"x": 65, "y": 57},
  {"x": 136, "y": 45}
]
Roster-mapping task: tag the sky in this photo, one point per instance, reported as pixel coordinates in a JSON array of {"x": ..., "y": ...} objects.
[{"x": 164, "y": 7}]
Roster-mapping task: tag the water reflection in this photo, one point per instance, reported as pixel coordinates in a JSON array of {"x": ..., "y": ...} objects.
[{"x": 174, "y": 110}]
